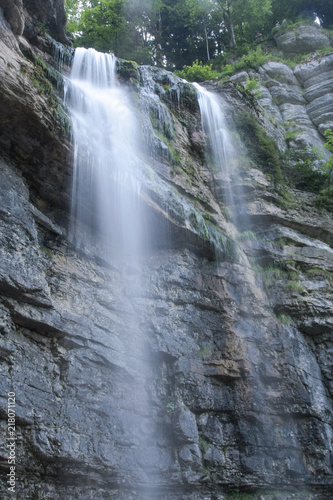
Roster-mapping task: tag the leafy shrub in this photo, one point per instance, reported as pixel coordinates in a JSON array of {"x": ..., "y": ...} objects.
[
  {"x": 253, "y": 86},
  {"x": 250, "y": 90},
  {"x": 198, "y": 72},
  {"x": 253, "y": 59},
  {"x": 227, "y": 70}
]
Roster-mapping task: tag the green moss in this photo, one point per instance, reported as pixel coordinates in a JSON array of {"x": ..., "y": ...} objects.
[
  {"x": 262, "y": 149},
  {"x": 204, "y": 352},
  {"x": 286, "y": 200},
  {"x": 319, "y": 272},
  {"x": 127, "y": 69},
  {"x": 269, "y": 274},
  {"x": 247, "y": 236},
  {"x": 208, "y": 230},
  {"x": 284, "y": 319},
  {"x": 226, "y": 213},
  {"x": 47, "y": 251},
  {"x": 204, "y": 445},
  {"x": 293, "y": 286},
  {"x": 170, "y": 407}
]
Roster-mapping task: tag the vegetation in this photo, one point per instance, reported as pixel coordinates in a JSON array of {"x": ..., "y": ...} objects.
[
  {"x": 210, "y": 40},
  {"x": 247, "y": 236},
  {"x": 293, "y": 286},
  {"x": 262, "y": 148},
  {"x": 198, "y": 72},
  {"x": 178, "y": 33},
  {"x": 284, "y": 319}
]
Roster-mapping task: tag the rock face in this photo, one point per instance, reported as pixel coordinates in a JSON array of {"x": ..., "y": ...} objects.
[
  {"x": 301, "y": 40},
  {"x": 32, "y": 16},
  {"x": 297, "y": 102},
  {"x": 212, "y": 378}
]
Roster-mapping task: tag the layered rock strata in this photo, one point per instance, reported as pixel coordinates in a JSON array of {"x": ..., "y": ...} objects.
[{"x": 234, "y": 386}]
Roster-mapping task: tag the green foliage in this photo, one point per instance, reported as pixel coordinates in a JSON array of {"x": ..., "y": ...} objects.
[
  {"x": 204, "y": 445},
  {"x": 303, "y": 10},
  {"x": 253, "y": 86},
  {"x": 226, "y": 213},
  {"x": 262, "y": 148},
  {"x": 284, "y": 319},
  {"x": 205, "y": 352},
  {"x": 270, "y": 274},
  {"x": 328, "y": 165},
  {"x": 325, "y": 198},
  {"x": 286, "y": 199},
  {"x": 302, "y": 173},
  {"x": 293, "y": 286},
  {"x": 42, "y": 27},
  {"x": 250, "y": 90},
  {"x": 198, "y": 72},
  {"x": 227, "y": 70},
  {"x": 170, "y": 407},
  {"x": 319, "y": 272},
  {"x": 176, "y": 33},
  {"x": 291, "y": 131},
  {"x": 252, "y": 60},
  {"x": 247, "y": 236}
]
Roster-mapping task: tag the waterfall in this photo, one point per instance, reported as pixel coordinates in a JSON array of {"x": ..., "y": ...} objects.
[
  {"x": 106, "y": 183},
  {"x": 222, "y": 152},
  {"x": 106, "y": 208}
]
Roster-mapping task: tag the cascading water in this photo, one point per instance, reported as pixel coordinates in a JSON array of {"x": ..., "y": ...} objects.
[
  {"x": 106, "y": 208},
  {"x": 222, "y": 150},
  {"x": 105, "y": 179}
]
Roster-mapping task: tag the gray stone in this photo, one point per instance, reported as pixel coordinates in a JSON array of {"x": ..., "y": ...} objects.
[
  {"x": 301, "y": 40},
  {"x": 213, "y": 375}
]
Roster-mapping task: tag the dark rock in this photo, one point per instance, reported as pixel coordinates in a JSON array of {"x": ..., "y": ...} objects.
[{"x": 211, "y": 377}]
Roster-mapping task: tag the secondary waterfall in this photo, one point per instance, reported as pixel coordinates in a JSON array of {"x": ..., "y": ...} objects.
[
  {"x": 222, "y": 151},
  {"x": 105, "y": 181}
]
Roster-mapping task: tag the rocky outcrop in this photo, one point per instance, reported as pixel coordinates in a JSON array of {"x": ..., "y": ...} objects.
[
  {"x": 212, "y": 377},
  {"x": 301, "y": 40},
  {"x": 34, "y": 17},
  {"x": 297, "y": 102}
]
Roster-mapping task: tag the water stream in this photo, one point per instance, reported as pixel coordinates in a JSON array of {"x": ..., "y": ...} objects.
[
  {"x": 106, "y": 209},
  {"x": 222, "y": 153},
  {"x": 105, "y": 178}
]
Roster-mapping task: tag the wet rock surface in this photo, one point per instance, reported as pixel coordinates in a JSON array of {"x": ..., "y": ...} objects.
[{"x": 212, "y": 376}]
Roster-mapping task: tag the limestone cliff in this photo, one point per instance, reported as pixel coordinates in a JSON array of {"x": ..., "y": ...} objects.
[{"x": 237, "y": 324}]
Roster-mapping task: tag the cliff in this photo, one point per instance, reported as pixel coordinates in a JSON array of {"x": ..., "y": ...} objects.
[{"x": 236, "y": 370}]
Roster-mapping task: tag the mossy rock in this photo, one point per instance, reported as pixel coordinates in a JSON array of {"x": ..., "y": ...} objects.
[{"x": 127, "y": 70}]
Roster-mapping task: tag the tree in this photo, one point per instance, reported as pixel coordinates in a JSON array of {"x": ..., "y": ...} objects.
[
  {"x": 245, "y": 16},
  {"x": 287, "y": 9},
  {"x": 171, "y": 33},
  {"x": 73, "y": 11},
  {"x": 226, "y": 7}
]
